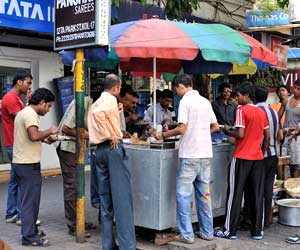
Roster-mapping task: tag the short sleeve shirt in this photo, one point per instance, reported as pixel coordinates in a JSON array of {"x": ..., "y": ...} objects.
[
  {"x": 196, "y": 113},
  {"x": 11, "y": 104},
  {"x": 254, "y": 120},
  {"x": 69, "y": 119},
  {"x": 26, "y": 151}
]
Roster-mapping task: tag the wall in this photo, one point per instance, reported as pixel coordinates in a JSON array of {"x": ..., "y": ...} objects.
[
  {"x": 236, "y": 8},
  {"x": 44, "y": 67}
]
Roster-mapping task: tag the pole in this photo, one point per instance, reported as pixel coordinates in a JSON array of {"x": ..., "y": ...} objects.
[
  {"x": 154, "y": 92},
  {"x": 79, "y": 102}
]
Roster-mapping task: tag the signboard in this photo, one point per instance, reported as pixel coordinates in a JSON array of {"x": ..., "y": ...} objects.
[
  {"x": 260, "y": 18},
  {"x": 280, "y": 50},
  {"x": 81, "y": 23},
  {"x": 35, "y": 15},
  {"x": 294, "y": 11}
]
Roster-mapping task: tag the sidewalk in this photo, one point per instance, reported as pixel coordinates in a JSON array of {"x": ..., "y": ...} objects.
[{"x": 52, "y": 217}]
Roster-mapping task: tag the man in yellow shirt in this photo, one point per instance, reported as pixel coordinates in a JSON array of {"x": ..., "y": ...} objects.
[
  {"x": 112, "y": 170},
  {"x": 26, "y": 161}
]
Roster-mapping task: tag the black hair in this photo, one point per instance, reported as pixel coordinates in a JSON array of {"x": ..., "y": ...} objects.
[
  {"x": 167, "y": 94},
  {"x": 41, "y": 94},
  {"x": 282, "y": 86},
  {"x": 223, "y": 86},
  {"x": 124, "y": 90},
  {"x": 183, "y": 79},
  {"x": 21, "y": 76},
  {"x": 158, "y": 94},
  {"x": 261, "y": 93},
  {"x": 246, "y": 88},
  {"x": 297, "y": 82},
  {"x": 233, "y": 94},
  {"x": 110, "y": 81}
]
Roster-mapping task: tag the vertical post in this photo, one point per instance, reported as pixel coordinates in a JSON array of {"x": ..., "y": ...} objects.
[
  {"x": 154, "y": 92},
  {"x": 79, "y": 101}
]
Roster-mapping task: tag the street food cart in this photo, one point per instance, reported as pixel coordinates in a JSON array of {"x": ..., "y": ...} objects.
[{"x": 153, "y": 177}]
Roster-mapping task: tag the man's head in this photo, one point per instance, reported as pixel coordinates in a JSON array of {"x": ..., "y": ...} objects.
[
  {"x": 296, "y": 88},
  {"x": 182, "y": 84},
  {"x": 112, "y": 84},
  {"x": 166, "y": 98},
  {"x": 261, "y": 94},
  {"x": 225, "y": 91},
  {"x": 245, "y": 93},
  {"x": 42, "y": 99},
  {"x": 234, "y": 98},
  {"x": 158, "y": 95},
  {"x": 282, "y": 92},
  {"x": 128, "y": 98},
  {"x": 22, "y": 81}
]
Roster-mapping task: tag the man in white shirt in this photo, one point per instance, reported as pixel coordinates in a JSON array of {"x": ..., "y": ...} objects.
[{"x": 196, "y": 121}]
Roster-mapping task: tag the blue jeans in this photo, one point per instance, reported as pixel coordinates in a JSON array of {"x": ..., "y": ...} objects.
[
  {"x": 13, "y": 193},
  {"x": 193, "y": 172},
  {"x": 115, "y": 197},
  {"x": 95, "y": 199}
]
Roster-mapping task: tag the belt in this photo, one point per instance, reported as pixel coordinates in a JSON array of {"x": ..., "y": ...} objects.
[{"x": 107, "y": 143}]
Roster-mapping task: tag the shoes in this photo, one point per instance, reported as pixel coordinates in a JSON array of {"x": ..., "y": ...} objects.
[
  {"x": 12, "y": 219},
  {"x": 225, "y": 235},
  {"x": 295, "y": 239},
  {"x": 19, "y": 222},
  {"x": 73, "y": 233},
  {"x": 184, "y": 240},
  {"x": 96, "y": 205},
  {"x": 206, "y": 237},
  {"x": 257, "y": 237}
]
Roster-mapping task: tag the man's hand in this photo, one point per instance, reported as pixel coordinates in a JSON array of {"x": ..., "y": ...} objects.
[
  {"x": 53, "y": 130},
  {"x": 126, "y": 134},
  {"x": 48, "y": 140},
  {"x": 159, "y": 136},
  {"x": 114, "y": 142},
  {"x": 120, "y": 107},
  {"x": 28, "y": 95}
]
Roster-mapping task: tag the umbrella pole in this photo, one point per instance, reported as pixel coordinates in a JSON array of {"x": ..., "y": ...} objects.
[{"x": 154, "y": 92}]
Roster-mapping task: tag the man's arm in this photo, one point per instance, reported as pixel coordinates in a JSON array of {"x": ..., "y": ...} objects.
[
  {"x": 237, "y": 133},
  {"x": 214, "y": 127},
  {"x": 36, "y": 135},
  {"x": 72, "y": 132},
  {"x": 266, "y": 141}
]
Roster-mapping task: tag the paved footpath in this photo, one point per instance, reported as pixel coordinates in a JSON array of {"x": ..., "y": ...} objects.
[{"x": 51, "y": 215}]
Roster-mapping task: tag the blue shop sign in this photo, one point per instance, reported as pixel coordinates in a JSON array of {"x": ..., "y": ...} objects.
[
  {"x": 36, "y": 15},
  {"x": 259, "y": 18}
]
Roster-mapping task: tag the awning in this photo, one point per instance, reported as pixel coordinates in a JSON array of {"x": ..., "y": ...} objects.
[{"x": 294, "y": 53}]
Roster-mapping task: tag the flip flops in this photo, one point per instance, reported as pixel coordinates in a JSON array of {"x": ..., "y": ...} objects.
[
  {"x": 40, "y": 243},
  {"x": 293, "y": 239}
]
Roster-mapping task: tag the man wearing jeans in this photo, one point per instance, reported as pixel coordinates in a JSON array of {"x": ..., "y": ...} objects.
[
  {"x": 11, "y": 105},
  {"x": 112, "y": 170},
  {"x": 196, "y": 121}
]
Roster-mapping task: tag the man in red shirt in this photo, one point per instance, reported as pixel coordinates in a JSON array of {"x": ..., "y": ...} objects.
[
  {"x": 11, "y": 105},
  {"x": 253, "y": 138}
]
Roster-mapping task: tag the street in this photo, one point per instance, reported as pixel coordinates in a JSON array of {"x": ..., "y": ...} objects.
[{"x": 52, "y": 217}]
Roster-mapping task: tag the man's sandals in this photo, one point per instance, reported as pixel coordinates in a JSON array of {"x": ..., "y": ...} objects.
[
  {"x": 293, "y": 239},
  {"x": 40, "y": 243}
]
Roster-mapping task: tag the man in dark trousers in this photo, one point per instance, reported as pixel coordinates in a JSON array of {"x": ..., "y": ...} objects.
[
  {"x": 247, "y": 166},
  {"x": 112, "y": 169},
  {"x": 11, "y": 105},
  {"x": 270, "y": 155},
  {"x": 26, "y": 162}
]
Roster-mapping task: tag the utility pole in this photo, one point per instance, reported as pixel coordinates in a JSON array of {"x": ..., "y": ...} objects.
[{"x": 80, "y": 144}]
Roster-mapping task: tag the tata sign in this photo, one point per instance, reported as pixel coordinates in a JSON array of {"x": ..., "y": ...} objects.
[
  {"x": 260, "y": 18},
  {"x": 35, "y": 15},
  {"x": 81, "y": 23}
]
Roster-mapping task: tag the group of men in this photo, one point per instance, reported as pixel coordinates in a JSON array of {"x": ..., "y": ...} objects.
[{"x": 252, "y": 168}]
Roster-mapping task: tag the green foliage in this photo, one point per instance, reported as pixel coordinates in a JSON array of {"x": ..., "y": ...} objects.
[
  {"x": 175, "y": 8},
  {"x": 269, "y": 77},
  {"x": 283, "y": 3}
]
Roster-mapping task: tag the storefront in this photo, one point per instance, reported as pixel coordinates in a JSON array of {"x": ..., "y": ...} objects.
[{"x": 26, "y": 35}]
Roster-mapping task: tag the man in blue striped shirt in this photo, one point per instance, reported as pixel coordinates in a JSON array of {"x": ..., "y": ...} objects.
[{"x": 270, "y": 155}]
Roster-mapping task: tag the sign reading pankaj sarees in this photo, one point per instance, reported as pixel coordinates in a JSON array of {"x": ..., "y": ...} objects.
[{"x": 81, "y": 23}]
